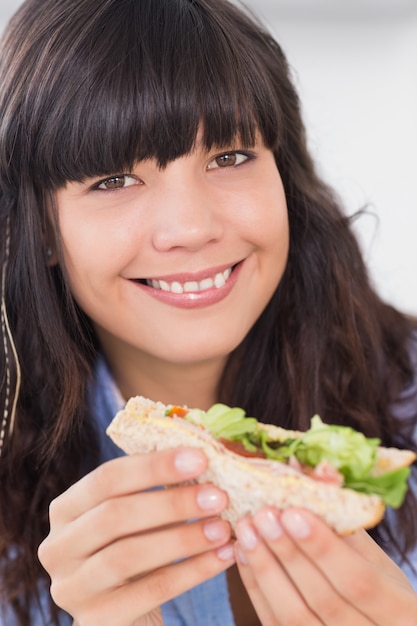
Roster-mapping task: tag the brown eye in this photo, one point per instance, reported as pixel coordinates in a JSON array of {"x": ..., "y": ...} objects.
[
  {"x": 117, "y": 182},
  {"x": 228, "y": 159},
  {"x": 224, "y": 160}
]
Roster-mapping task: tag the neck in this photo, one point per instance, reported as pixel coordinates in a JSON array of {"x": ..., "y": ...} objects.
[{"x": 138, "y": 373}]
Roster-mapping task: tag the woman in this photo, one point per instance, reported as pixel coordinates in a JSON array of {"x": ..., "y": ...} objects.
[{"x": 164, "y": 232}]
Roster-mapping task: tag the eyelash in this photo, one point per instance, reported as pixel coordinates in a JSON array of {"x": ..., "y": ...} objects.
[{"x": 248, "y": 156}]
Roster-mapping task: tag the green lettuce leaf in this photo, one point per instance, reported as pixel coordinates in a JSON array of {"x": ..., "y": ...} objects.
[
  {"x": 391, "y": 487},
  {"x": 225, "y": 423},
  {"x": 347, "y": 450}
]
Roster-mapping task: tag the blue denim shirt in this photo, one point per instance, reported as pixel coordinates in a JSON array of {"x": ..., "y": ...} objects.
[{"x": 206, "y": 604}]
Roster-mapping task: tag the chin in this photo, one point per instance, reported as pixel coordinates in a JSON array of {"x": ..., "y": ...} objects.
[{"x": 200, "y": 353}]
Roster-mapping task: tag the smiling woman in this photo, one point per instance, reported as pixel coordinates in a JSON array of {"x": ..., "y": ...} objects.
[
  {"x": 169, "y": 240},
  {"x": 163, "y": 232}
]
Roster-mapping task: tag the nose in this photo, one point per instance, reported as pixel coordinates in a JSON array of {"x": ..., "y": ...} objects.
[{"x": 186, "y": 212}]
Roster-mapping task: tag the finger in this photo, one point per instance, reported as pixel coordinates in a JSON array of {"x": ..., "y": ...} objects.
[
  {"x": 134, "y": 556},
  {"x": 287, "y": 606},
  {"x": 126, "y": 475},
  {"x": 154, "y": 618},
  {"x": 362, "y": 583},
  {"x": 139, "y": 597},
  {"x": 313, "y": 585},
  {"x": 256, "y": 595},
  {"x": 130, "y": 515},
  {"x": 370, "y": 550}
]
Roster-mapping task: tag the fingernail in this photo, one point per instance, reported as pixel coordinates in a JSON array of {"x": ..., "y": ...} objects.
[
  {"x": 295, "y": 524},
  {"x": 226, "y": 553},
  {"x": 246, "y": 535},
  {"x": 216, "y": 530},
  {"x": 190, "y": 462},
  {"x": 210, "y": 498},
  {"x": 267, "y": 523}
]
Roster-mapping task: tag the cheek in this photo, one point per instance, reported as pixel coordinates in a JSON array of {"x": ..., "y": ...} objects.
[
  {"x": 274, "y": 241},
  {"x": 278, "y": 218},
  {"x": 275, "y": 222},
  {"x": 267, "y": 207},
  {"x": 91, "y": 245},
  {"x": 270, "y": 224}
]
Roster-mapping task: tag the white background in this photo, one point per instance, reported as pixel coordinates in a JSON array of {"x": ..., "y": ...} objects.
[{"x": 355, "y": 66}]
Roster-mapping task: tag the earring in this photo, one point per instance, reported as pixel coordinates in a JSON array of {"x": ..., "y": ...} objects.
[{"x": 48, "y": 252}]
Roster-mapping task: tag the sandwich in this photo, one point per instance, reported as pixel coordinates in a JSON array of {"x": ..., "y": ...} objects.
[{"x": 334, "y": 471}]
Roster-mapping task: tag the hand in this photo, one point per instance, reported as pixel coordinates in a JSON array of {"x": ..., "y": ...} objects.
[
  {"x": 298, "y": 571},
  {"x": 151, "y": 619},
  {"x": 116, "y": 551}
]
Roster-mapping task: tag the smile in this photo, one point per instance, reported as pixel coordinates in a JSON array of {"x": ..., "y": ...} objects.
[{"x": 192, "y": 286}]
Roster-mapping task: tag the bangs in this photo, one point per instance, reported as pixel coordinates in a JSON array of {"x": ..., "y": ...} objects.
[{"x": 139, "y": 80}]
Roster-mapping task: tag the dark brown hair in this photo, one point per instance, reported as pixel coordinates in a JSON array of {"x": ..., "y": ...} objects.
[{"x": 89, "y": 87}]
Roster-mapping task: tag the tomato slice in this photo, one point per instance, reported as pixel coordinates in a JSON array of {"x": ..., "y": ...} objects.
[
  {"x": 178, "y": 411},
  {"x": 238, "y": 448}
]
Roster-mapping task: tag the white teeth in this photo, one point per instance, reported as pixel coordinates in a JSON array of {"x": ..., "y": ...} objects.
[
  {"x": 191, "y": 286},
  {"x": 177, "y": 288},
  {"x": 218, "y": 281},
  {"x": 206, "y": 283}
]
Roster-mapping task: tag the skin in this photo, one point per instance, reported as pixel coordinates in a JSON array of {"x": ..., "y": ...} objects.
[
  {"x": 116, "y": 551},
  {"x": 325, "y": 579},
  {"x": 111, "y": 548},
  {"x": 197, "y": 215}
]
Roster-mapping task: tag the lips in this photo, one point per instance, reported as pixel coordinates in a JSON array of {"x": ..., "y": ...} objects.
[
  {"x": 192, "y": 290},
  {"x": 217, "y": 281}
]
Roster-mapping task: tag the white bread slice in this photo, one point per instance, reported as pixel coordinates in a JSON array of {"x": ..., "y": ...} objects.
[{"x": 142, "y": 427}]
